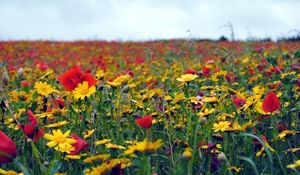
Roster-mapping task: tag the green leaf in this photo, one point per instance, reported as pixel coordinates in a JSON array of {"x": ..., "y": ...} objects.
[
  {"x": 37, "y": 155},
  {"x": 22, "y": 167},
  {"x": 35, "y": 151},
  {"x": 262, "y": 142},
  {"x": 250, "y": 161},
  {"x": 54, "y": 167}
]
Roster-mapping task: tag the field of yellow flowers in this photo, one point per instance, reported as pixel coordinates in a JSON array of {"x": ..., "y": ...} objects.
[{"x": 149, "y": 108}]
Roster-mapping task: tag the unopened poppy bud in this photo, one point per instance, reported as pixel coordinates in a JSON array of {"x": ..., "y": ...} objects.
[
  {"x": 100, "y": 88},
  {"x": 202, "y": 120},
  {"x": 5, "y": 78},
  {"x": 46, "y": 163},
  {"x": 126, "y": 89},
  {"x": 20, "y": 73},
  {"x": 222, "y": 157}
]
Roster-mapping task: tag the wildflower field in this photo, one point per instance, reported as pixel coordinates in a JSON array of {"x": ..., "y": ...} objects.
[{"x": 149, "y": 108}]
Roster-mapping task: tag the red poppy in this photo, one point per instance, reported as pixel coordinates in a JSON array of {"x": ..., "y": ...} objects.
[
  {"x": 190, "y": 71},
  {"x": 71, "y": 78},
  {"x": 145, "y": 122},
  {"x": 79, "y": 145},
  {"x": 31, "y": 130},
  {"x": 8, "y": 149},
  {"x": 238, "y": 102},
  {"x": 271, "y": 103}
]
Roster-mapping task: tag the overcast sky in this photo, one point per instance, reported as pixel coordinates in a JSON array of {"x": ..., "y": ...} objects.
[{"x": 142, "y": 19}]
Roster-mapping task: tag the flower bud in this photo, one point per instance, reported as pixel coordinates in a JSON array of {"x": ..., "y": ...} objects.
[
  {"x": 202, "y": 120},
  {"x": 46, "y": 163},
  {"x": 5, "y": 78},
  {"x": 126, "y": 89},
  {"x": 20, "y": 73},
  {"x": 100, "y": 88},
  {"x": 222, "y": 157}
]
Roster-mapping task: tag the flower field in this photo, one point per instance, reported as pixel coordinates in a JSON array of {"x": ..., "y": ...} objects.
[{"x": 147, "y": 108}]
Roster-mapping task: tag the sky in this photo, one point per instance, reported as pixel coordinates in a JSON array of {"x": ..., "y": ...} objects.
[{"x": 147, "y": 19}]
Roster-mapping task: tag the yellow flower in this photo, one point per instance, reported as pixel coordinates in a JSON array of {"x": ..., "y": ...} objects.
[
  {"x": 101, "y": 142},
  {"x": 96, "y": 158},
  {"x": 58, "y": 124},
  {"x": 88, "y": 133},
  {"x": 144, "y": 147},
  {"x": 187, "y": 153},
  {"x": 60, "y": 140},
  {"x": 44, "y": 89},
  {"x": 236, "y": 126},
  {"x": 100, "y": 74},
  {"x": 259, "y": 90},
  {"x": 209, "y": 99},
  {"x": 83, "y": 90},
  {"x": 234, "y": 169},
  {"x": 223, "y": 117},
  {"x": 194, "y": 100},
  {"x": 65, "y": 148},
  {"x": 21, "y": 96},
  {"x": 9, "y": 172},
  {"x": 177, "y": 98},
  {"x": 262, "y": 150},
  {"x": 294, "y": 165},
  {"x": 187, "y": 77},
  {"x": 72, "y": 157},
  {"x": 108, "y": 166},
  {"x": 119, "y": 80},
  {"x": 292, "y": 150},
  {"x": 206, "y": 112},
  {"x": 114, "y": 146},
  {"x": 285, "y": 133},
  {"x": 215, "y": 77},
  {"x": 168, "y": 98},
  {"x": 249, "y": 125},
  {"x": 221, "y": 126}
]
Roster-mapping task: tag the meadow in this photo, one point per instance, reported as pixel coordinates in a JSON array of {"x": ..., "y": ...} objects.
[{"x": 149, "y": 108}]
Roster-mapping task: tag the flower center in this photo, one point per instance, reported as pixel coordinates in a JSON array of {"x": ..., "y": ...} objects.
[
  {"x": 84, "y": 91},
  {"x": 60, "y": 139}
]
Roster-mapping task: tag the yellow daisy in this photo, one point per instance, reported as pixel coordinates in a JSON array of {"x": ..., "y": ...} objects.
[
  {"x": 144, "y": 147},
  {"x": 60, "y": 140},
  {"x": 294, "y": 165},
  {"x": 221, "y": 126},
  {"x": 44, "y": 89},
  {"x": 83, "y": 90},
  {"x": 96, "y": 158},
  {"x": 187, "y": 77}
]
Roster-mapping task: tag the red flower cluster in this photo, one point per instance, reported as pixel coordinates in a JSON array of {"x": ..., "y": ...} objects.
[
  {"x": 8, "y": 149},
  {"x": 74, "y": 76}
]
